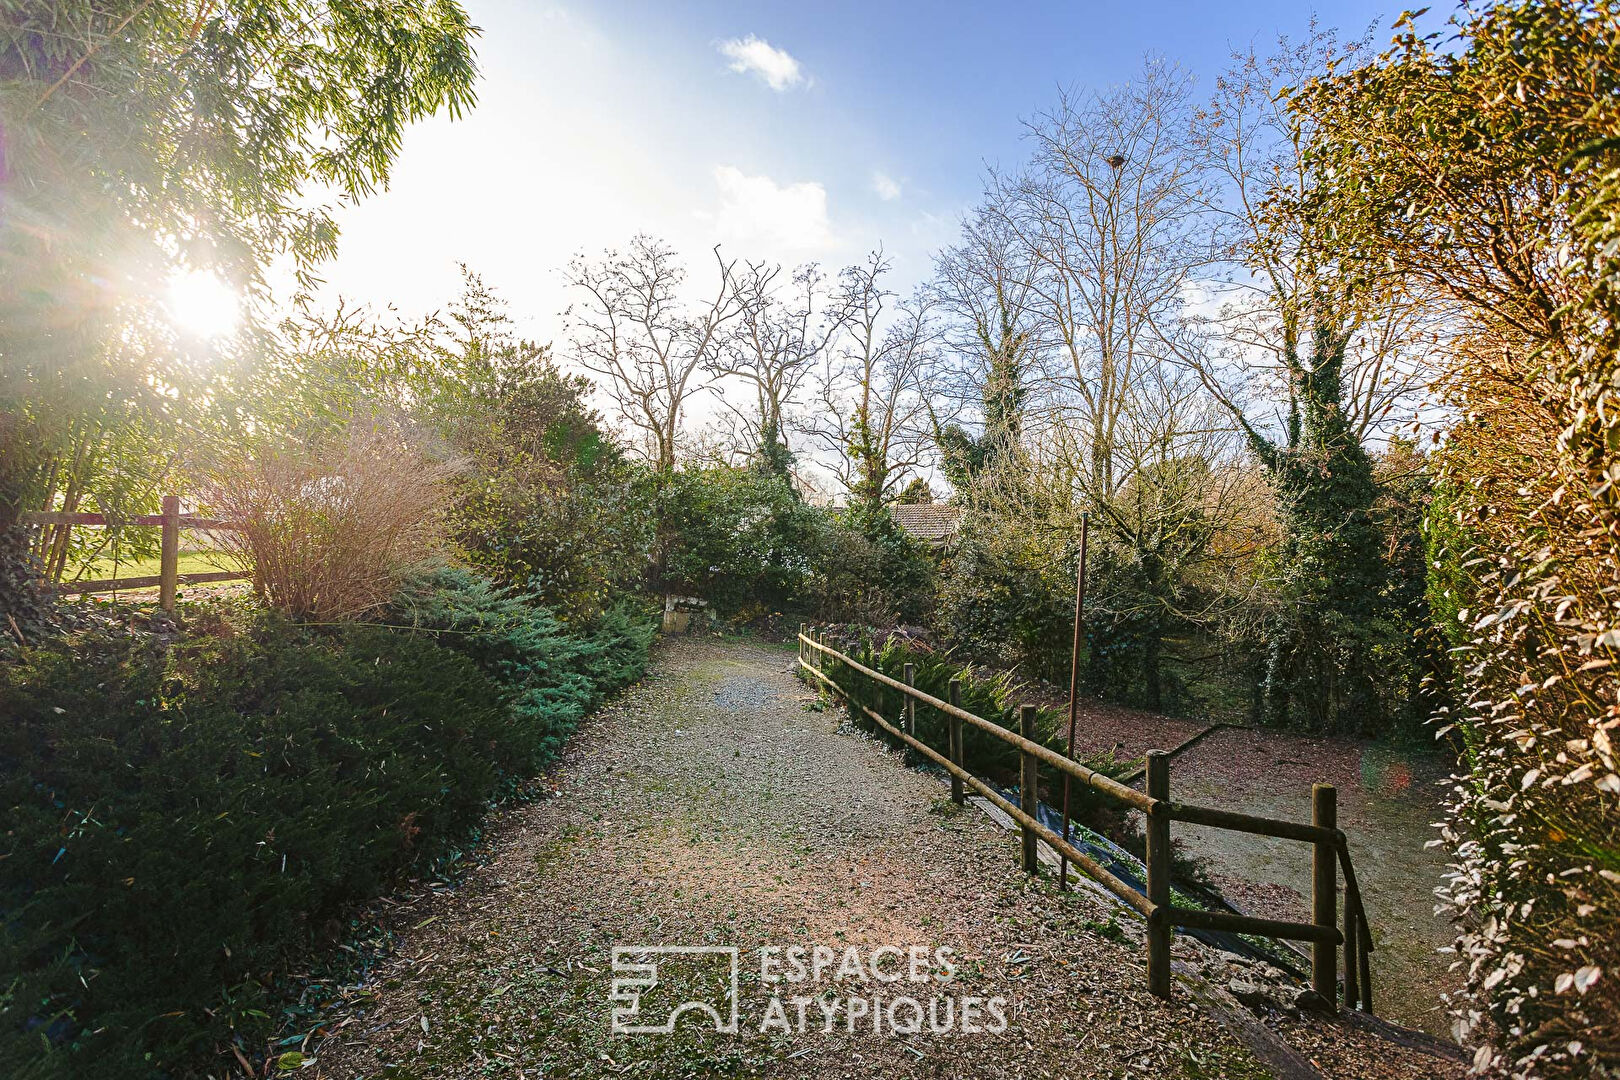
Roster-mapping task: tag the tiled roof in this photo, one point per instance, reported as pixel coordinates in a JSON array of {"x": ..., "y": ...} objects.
[{"x": 933, "y": 522}]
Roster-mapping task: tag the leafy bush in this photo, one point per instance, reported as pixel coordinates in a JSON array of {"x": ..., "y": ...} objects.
[
  {"x": 1510, "y": 109},
  {"x": 184, "y": 822},
  {"x": 740, "y": 538},
  {"x": 907, "y": 574},
  {"x": 743, "y": 539},
  {"x": 1007, "y": 596},
  {"x": 848, "y": 584},
  {"x": 549, "y": 504}
]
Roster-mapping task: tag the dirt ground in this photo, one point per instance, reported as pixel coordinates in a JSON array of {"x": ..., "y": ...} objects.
[
  {"x": 1387, "y": 802},
  {"x": 717, "y": 804}
]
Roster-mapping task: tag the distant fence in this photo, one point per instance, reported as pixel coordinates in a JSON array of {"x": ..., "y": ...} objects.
[
  {"x": 1329, "y": 846},
  {"x": 168, "y": 579}
]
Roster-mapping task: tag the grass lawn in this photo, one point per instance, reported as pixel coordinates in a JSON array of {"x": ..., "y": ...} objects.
[{"x": 191, "y": 562}]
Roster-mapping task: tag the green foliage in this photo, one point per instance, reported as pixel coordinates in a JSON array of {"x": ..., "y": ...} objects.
[
  {"x": 146, "y": 138},
  {"x": 916, "y": 493},
  {"x": 1331, "y": 631},
  {"x": 1418, "y": 679},
  {"x": 740, "y": 538},
  {"x": 744, "y": 540},
  {"x": 994, "y": 699},
  {"x": 183, "y": 822},
  {"x": 1483, "y": 164},
  {"x": 547, "y": 504},
  {"x": 554, "y": 673},
  {"x": 905, "y": 582},
  {"x": 1007, "y": 595}
]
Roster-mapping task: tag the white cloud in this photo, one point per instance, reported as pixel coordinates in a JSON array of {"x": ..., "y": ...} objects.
[
  {"x": 886, "y": 186},
  {"x": 775, "y": 67},
  {"x": 756, "y": 212}
]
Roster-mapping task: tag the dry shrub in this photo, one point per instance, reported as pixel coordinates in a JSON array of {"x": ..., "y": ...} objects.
[{"x": 330, "y": 528}]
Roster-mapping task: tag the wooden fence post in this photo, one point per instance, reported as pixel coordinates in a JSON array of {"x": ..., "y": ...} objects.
[
  {"x": 1159, "y": 931},
  {"x": 169, "y": 567},
  {"x": 954, "y": 696},
  {"x": 1324, "y": 893},
  {"x": 800, "y": 642},
  {"x": 1029, "y": 787},
  {"x": 908, "y": 675}
]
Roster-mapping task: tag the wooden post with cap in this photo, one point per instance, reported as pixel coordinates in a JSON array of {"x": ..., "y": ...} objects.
[
  {"x": 1324, "y": 893},
  {"x": 1159, "y": 931},
  {"x": 169, "y": 566},
  {"x": 1029, "y": 787}
]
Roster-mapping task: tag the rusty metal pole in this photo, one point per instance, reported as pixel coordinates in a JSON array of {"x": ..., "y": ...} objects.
[
  {"x": 1324, "y": 894},
  {"x": 1074, "y": 684}
]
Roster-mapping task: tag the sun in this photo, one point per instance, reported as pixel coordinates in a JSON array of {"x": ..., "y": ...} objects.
[{"x": 201, "y": 304}]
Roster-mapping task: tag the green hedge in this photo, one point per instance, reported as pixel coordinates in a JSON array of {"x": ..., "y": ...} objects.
[{"x": 183, "y": 822}]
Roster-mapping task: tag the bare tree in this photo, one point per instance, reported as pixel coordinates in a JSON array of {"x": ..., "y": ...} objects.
[
  {"x": 781, "y": 331},
  {"x": 634, "y": 329},
  {"x": 874, "y": 386},
  {"x": 982, "y": 287},
  {"x": 1249, "y": 338},
  {"x": 1107, "y": 214}
]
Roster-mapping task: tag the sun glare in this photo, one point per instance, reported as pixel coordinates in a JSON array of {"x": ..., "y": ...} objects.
[{"x": 201, "y": 304}]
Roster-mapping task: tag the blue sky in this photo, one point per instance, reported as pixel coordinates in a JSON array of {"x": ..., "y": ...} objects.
[{"x": 839, "y": 126}]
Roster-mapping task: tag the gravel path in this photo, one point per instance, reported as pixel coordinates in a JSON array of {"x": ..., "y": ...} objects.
[{"x": 716, "y": 804}]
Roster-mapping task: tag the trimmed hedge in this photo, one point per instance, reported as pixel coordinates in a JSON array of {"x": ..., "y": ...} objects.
[{"x": 185, "y": 821}]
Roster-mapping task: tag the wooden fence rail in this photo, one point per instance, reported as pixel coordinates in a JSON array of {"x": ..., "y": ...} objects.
[
  {"x": 1330, "y": 848},
  {"x": 168, "y": 578}
]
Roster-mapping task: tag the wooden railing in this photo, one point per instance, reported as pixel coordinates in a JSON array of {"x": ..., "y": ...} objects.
[
  {"x": 168, "y": 579},
  {"x": 1330, "y": 849}
]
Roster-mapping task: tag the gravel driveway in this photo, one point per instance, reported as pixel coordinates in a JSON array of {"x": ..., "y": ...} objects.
[{"x": 716, "y": 804}]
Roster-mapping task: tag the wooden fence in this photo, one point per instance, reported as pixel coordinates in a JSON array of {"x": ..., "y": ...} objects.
[
  {"x": 1330, "y": 851},
  {"x": 169, "y": 578}
]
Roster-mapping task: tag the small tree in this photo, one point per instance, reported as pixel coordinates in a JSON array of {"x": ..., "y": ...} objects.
[
  {"x": 874, "y": 386},
  {"x": 773, "y": 347},
  {"x": 634, "y": 330}
]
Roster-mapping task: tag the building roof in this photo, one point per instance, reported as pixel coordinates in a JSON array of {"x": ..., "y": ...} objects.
[{"x": 932, "y": 523}]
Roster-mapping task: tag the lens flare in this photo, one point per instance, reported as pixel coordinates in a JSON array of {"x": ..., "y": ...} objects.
[{"x": 203, "y": 305}]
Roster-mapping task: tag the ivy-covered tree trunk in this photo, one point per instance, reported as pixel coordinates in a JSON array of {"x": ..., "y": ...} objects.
[
  {"x": 773, "y": 455},
  {"x": 1321, "y": 656}
]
